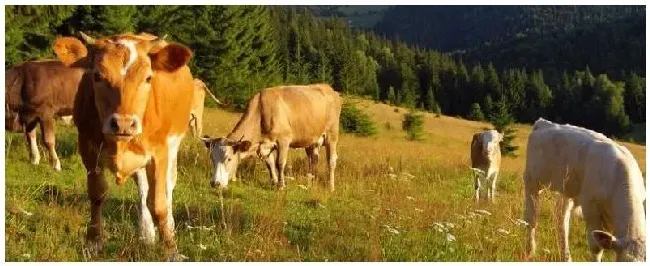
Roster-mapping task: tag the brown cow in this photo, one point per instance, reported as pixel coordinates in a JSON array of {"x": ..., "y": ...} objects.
[
  {"x": 131, "y": 116},
  {"x": 277, "y": 119},
  {"x": 36, "y": 93}
]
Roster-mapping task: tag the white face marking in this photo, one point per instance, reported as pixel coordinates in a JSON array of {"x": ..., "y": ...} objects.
[
  {"x": 133, "y": 54},
  {"x": 223, "y": 161}
]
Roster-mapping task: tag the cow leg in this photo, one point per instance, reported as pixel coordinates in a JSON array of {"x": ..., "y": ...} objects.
[
  {"x": 493, "y": 186},
  {"x": 97, "y": 189},
  {"x": 47, "y": 132},
  {"x": 283, "y": 153},
  {"x": 563, "y": 207},
  {"x": 147, "y": 231},
  {"x": 270, "y": 165},
  {"x": 330, "y": 148},
  {"x": 531, "y": 213},
  {"x": 592, "y": 222},
  {"x": 171, "y": 184},
  {"x": 30, "y": 135},
  {"x": 312, "y": 156},
  {"x": 157, "y": 201}
]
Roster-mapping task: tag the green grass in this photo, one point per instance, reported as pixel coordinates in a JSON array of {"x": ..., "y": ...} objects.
[{"x": 389, "y": 194}]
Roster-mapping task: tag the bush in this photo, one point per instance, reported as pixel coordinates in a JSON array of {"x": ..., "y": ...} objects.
[
  {"x": 475, "y": 113},
  {"x": 413, "y": 124},
  {"x": 355, "y": 121}
]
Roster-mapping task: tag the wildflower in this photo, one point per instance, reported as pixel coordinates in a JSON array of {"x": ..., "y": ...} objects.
[
  {"x": 303, "y": 187},
  {"x": 202, "y": 247},
  {"x": 503, "y": 231},
  {"x": 521, "y": 222},
  {"x": 410, "y": 198},
  {"x": 449, "y": 225},
  {"x": 439, "y": 227},
  {"x": 419, "y": 210},
  {"x": 450, "y": 237},
  {"x": 483, "y": 212},
  {"x": 392, "y": 230}
]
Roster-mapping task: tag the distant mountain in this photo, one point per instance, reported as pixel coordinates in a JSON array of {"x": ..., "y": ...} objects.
[
  {"x": 356, "y": 16},
  {"x": 607, "y": 38}
]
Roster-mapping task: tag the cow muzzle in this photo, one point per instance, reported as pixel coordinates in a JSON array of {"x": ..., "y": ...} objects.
[{"x": 122, "y": 127}]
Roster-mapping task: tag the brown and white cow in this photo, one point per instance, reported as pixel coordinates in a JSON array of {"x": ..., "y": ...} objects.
[
  {"x": 486, "y": 160},
  {"x": 37, "y": 92},
  {"x": 275, "y": 120},
  {"x": 131, "y": 115}
]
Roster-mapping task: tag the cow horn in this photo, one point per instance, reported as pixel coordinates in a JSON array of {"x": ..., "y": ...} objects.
[{"x": 86, "y": 38}]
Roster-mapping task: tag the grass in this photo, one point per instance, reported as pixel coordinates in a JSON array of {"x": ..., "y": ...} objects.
[{"x": 390, "y": 193}]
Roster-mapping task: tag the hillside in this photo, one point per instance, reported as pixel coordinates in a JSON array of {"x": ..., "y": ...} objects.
[
  {"x": 561, "y": 37},
  {"x": 390, "y": 193}
]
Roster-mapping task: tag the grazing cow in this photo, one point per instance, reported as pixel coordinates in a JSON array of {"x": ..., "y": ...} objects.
[
  {"x": 588, "y": 170},
  {"x": 486, "y": 160},
  {"x": 275, "y": 120},
  {"x": 131, "y": 116},
  {"x": 36, "y": 93}
]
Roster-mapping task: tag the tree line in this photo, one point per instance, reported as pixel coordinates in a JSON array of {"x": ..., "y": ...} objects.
[{"x": 240, "y": 49}]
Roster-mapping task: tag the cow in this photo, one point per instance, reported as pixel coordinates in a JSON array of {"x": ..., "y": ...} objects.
[
  {"x": 196, "y": 114},
  {"x": 37, "y": 92},
  {"x": 591, "y": 171},
  {"x": 131, "y": 115},
  {"x": 486, "y": 160},
  {"x": 276, "y": 119}
]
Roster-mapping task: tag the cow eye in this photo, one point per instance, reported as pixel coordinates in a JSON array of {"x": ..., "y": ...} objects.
[
  {"x": 229, "y": 159},
  {"x": 148, "y": 80}
]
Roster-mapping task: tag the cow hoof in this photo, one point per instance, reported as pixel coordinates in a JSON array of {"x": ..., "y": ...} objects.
[
  {"x": 57, "y": 166},
  {"x": 35, "y": 161}
]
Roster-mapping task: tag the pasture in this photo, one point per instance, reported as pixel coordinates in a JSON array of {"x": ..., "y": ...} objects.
[{"x": 395, "y": 200}]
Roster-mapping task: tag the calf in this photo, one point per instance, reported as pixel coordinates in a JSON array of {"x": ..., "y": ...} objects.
[
  {"x": 486, "y": 160},
  {"x": 588, "y": 170}
]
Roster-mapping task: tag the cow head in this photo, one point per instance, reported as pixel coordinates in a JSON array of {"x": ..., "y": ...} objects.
[
  {"x": 490, "y": 140},
  {"x": 626, "y": 249},
  {"x": 225, "y": 155},
  {"x": 123, "y": 70}
]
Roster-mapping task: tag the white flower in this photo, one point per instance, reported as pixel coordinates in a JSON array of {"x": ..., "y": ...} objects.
[
  {"x": 450, "y": 237},
  {"x": 521, "y": 222},
  {"x": 27, "y": 255},
  {"x": 419, "y": 210},
  {"x": 392, "y": 230},
  {"x": 439, "y": 227},
  {"x": 410, "y": 198},
  {"x": 303, "y": 187},
  {"x": 202, "y": 247},
  {"x": 503, "y": 231},
  {"x": 449, "y": 225},
  {"x": 392, "y": 175}
]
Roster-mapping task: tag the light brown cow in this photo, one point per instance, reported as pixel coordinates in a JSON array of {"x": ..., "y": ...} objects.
[
  {"x": 131, "y": 116},
  {"x": 486, "y": 160},
  {"x": 37, "y": 92},
  {"x": 275, "y": 120},
  {"x": 196, "y": 115}
]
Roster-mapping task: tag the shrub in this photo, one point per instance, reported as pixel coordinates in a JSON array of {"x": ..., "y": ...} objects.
[
  {"x": 413, "y": 124},
  {"x": 475, "y": 113},
  {"x": 355, "y": 121}
]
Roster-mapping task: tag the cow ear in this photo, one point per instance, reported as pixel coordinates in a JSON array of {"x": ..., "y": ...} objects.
[
  {"x": 206, "y": 141},
  {"x": 243, "y": 146},
  {"x": 170, "y": 58},
  {"x": 604, "y": 240},
  {"x": 71, "y": 51}
]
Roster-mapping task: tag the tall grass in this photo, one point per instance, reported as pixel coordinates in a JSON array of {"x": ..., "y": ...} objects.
[{"x": 391, "y": 195}]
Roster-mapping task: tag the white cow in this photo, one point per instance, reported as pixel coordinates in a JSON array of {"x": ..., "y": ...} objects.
[
  {"x": 591, "y": 171},
  {"x": 486, "y": 160}
]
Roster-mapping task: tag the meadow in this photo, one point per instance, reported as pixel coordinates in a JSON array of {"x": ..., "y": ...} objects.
[{"x": 395, "y": 200}]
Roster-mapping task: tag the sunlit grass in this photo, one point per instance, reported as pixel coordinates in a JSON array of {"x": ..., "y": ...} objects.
[{"x": 390, "y": 194}]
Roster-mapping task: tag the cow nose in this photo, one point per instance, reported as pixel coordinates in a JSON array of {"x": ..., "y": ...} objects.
[
  {"x": 214, "y": 183},
  {"x": 123, "y": 125}
]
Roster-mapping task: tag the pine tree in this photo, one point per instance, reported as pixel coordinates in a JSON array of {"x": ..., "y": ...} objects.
[
  {"x": 503, "y": 122},
  {"x": 475, "y": 113}
]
